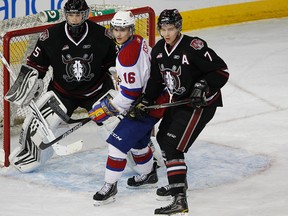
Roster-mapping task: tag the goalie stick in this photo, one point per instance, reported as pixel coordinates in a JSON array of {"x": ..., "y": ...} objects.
[
  {"x": 13, "y": 75},
  {"x": 44, "y": 145},
  {"x": 54, "y": 104},
  {"x": 59, "y": 149}
]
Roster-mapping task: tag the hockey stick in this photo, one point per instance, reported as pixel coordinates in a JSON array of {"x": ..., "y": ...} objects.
[
  {"x": 59, "y": 149},
  {"x": 172, "y": 104},
  {"x": 54, "y": 105},
  {"x": 13, "y": 75},
  {"x": 76, "y": 127}
]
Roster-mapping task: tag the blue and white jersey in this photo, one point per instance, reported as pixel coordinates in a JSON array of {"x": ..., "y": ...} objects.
[{"x": 133, "y": 71}]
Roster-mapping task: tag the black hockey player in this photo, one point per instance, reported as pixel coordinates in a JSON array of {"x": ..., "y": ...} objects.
[
  {"x": 190, "y": 70},
  {"x": 80, "y": 53}
]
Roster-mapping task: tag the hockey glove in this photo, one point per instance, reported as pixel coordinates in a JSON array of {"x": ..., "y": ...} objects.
[
  {"x": 26, "y": 87},
  {"x": 102, "y": 111},
  {"x": 137, "y": 110},
  {"x": 198, "y": 96}
]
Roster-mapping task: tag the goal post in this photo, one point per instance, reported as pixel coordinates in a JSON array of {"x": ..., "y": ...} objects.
[{"x": 15, "y": 47}]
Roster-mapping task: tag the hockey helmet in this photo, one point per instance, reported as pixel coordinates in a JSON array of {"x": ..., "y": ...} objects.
[
  {"x": 170, "y": 16},
  {"x": 123, "y": 19},
  {"x": 78, "y": 7}
]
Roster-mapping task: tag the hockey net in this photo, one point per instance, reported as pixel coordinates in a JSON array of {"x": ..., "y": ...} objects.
[{"x": 18, "y": 38}]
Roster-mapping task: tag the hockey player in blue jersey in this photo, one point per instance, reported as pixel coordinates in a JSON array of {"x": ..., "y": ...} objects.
[{"x": 133, "y": 69}]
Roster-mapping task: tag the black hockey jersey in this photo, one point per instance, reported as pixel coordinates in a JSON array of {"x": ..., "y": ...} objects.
[
  {"x": 188, "y": 61},
  {"x": 79, "y": 68}
]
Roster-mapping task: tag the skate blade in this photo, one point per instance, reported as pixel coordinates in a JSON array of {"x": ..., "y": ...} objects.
[
  {"x": 104, "y": 202},
  {"x": 163, "y": 198},
  {"x": 145, "y": 186},
  {"x": 176, "y": 214}
]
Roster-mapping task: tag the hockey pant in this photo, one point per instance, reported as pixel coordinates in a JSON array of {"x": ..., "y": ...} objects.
[
  {"x": 27, "y": 156},
  {"x": 130, "y": 136}
]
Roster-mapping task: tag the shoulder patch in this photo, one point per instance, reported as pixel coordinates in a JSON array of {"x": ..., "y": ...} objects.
[
  {"x": 197, "y": 44},
  {"x": 108, "y": 33},
  {"x": 44, "y": 35},
  {"x": 130, "y": 54}
]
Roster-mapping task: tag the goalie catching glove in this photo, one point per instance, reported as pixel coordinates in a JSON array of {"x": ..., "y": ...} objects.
[
  {"x": 198, "y": 96},
  {"x": 103, "y": 110},
  {"x": 26, "y": 87}
]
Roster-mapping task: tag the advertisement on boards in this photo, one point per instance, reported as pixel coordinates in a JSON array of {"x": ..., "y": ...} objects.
[{"x": 17, "y": 8}]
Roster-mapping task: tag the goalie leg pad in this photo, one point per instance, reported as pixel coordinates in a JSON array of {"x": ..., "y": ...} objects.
[{"x": 27, "y": 157}]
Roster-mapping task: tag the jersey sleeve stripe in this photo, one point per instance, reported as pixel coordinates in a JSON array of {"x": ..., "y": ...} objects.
[{"x": 132, "y": 94}]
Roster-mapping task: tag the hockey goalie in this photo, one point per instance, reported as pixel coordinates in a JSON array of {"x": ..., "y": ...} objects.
[{"x": 80, "y": 52}]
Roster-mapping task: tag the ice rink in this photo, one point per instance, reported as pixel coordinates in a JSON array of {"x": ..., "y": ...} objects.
[{"x": 237, "y": 167}]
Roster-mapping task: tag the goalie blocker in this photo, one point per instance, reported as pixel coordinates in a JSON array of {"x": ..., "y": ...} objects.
[{"x": 26, "y": 87}]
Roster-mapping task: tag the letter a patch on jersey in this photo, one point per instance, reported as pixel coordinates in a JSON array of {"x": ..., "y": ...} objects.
[{"x": 197, "y": 44}]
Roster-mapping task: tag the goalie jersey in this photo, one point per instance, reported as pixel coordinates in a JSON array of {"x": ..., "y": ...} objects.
[
  {"x": 133, "y": 71},
  {"x": 79, "y": 68}
]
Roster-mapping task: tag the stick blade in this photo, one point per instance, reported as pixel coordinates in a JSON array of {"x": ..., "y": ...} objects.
[{"x": 72, "y": 148}]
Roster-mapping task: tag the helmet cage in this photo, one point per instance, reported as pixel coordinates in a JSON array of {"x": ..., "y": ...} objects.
[{"x": 77, "y": 7}]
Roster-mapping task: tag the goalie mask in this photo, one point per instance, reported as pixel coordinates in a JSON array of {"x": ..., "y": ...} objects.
[
  {"x": 123, "y": 19},
  {"x": 76, "y": 7},
  {"x": 170, "y": 16}
]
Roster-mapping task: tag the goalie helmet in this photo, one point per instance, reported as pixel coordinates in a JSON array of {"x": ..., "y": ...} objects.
[
  {"x": 170, "y": 16},
  {"x": 123, "y": 19},
  {"x": 76, "y": 7}
]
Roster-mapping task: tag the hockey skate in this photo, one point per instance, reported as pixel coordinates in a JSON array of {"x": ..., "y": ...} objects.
[
  {"x": 144, "y": 180},
  {"x": 165, "y": 193},
  {"x": 106, "y": 195},
  {"x": 178, "y": 206}
]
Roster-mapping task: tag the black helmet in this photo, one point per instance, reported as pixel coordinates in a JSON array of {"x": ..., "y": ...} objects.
[
  {"x": 76, "y": 6},
  {"x": 170, "y": 16}
]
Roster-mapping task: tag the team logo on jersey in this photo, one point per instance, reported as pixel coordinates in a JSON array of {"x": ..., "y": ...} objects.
[
  {"x": 160, "y": 55},
  {"x": 118, "y": 81},
  {"x": 65, "y": 47},
  {"x": 197, "y": 44},
  {"x": 172, "y": 80},
  {"x": 78, "y": 69},
  {"x": 44, "y": 35},
  {"x": 145, "y": 47},
  {"x": 108, "y": 33},
  {"x": 87, "y": 46}
]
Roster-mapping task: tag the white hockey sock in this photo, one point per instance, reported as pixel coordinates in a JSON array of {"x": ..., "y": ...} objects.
[
  {"x": 144, "y": 159},
  {"x": 115, "y": 164}
]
